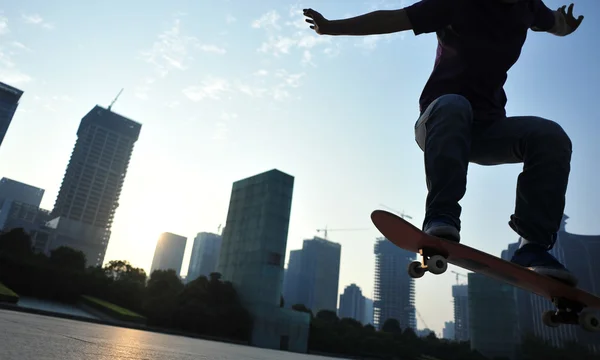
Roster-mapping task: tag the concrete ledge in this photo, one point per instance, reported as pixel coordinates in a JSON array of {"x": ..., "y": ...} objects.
[{"x": 105, "y": 321}]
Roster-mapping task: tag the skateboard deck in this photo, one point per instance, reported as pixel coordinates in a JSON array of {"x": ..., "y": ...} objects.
[{"x": 566, "y": 298}]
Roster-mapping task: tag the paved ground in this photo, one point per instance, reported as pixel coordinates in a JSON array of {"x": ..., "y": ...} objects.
[{"x": 28, "y": 336}]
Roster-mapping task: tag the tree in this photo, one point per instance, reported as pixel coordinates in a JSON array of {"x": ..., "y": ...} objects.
[
  {"x": 16, "y": 242},
  {"x": 65, "y": 257},
  {"x": 161, "y": 296},
  {"x": 391, "y": 326}
]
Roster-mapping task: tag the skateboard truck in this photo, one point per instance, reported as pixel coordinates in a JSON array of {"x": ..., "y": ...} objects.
[
  {"x": 431, "y": 261},
  {"x": 570, "y": 312}
]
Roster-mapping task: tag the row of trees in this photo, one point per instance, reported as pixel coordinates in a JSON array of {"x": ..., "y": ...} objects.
[
  {"x": 330, "y": 334},
  {"x": 207, "y": 306},
  {"x": 210, "y": 306}
]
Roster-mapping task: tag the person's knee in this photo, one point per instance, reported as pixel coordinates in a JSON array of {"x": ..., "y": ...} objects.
[
  {"x": 554, "y": 135},
  {"x": 452, "y": 107}
]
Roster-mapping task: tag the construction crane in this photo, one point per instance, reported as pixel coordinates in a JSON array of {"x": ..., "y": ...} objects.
[
  {"x": 457, "y": 275},
  {"x": 418, "y": 314},
  {"x": 115, "y": 100},
  {"x": 401, "y": 213},
  {"x": 326, "y": 230}
]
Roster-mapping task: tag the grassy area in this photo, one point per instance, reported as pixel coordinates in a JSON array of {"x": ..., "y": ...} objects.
[
  {"x": 112, "y": 309},
  {"x": 7, "y": 295}
]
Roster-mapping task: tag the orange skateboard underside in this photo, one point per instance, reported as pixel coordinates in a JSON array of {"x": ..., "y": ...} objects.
[{"x": 405, "y": 235}]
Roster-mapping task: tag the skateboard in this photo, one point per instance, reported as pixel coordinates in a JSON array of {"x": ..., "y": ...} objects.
[{"x": 436, "y": 253}]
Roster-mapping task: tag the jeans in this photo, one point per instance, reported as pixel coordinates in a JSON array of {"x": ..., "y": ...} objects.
[{"x": 451, "y": 139}]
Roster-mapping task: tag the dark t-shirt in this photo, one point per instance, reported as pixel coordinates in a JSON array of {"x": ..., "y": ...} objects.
[{"x": 478, "y": 42}]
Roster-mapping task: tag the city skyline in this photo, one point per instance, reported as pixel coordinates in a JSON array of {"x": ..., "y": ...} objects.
[{"x": 210, "y": 118}]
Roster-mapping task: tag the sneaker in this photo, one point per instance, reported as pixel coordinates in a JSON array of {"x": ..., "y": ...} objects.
[
  {"x": 442, "y": 228},
  {"x": 538, "y": 259}
]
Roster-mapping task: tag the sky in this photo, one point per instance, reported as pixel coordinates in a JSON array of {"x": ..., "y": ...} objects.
[{"x": 228, "y": 89}]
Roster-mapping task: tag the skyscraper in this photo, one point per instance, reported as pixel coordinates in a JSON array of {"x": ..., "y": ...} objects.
[
  {"x": 460, "y": 293},
  {"x": 205, "y": 255},
  {"x": 291, "y": 282},
  {"x": 169, "y": 253},
  {"x": 319, "y": 274},
  {"x": 9, "y": 101},
  {"x": 352, "y": 303},
  {"x": 252, "y": 257},
  {"x": 89, "y": 194},
  {"x": 394, "y": 292},
  {"x": 492, "y": 317}
]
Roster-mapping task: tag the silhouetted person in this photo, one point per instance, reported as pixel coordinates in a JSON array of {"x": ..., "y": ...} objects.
[{"x": 463, "y": 117}]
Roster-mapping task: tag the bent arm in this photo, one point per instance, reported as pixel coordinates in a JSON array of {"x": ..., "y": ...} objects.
[
  {"x": 373, "y": 23},
  {"x": 424, "y": 16}
]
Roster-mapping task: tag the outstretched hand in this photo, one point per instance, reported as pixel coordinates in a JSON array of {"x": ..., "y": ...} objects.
[
  {"x": 316, "y": 19},
  {"x": 569, "y": 18}
]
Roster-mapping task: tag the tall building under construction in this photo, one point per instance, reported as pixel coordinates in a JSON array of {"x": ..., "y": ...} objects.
[{"x": 89, "y": 194}]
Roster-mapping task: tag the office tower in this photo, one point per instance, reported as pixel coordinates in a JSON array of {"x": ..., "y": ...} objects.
[
  {"x": 169, "y": 253},
  {"x": 252, "y": 257},
  {"x": 291, "y": 282},
  {"x": 205, "y": 255},
  {"x": 460, "y": 293},
  {"x": 368, "y": 316},
  {"x": 352, "y": 303},
  {"x": 492, "y": 317},
  {"x": 89, "y": 194},
  {"x": 9, "y": 101},
  {"x": 17, "y": 191},
  {"x": 394, "y": 292},
  {"x": 320, "y": 274},
  {"x": 448, "y": 332}
]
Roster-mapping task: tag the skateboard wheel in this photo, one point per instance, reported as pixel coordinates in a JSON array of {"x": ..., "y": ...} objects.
[
  {"x": 437, "y": 264},
  {"x": 589, "y": 322},
  {"x": 550, "y": 319},
  {"x": 415, "y": 270}
]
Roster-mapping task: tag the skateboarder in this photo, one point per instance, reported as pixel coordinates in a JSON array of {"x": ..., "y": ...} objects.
[{"x": 463, "y": 118}]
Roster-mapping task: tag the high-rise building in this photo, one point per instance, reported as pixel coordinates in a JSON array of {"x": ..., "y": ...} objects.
[
  {"x": 492, "y": 317},
  {"x": 17, "y": 191},
  {"x": 320, "y": 274},
  {"x": 368, "y": 316},
  {"x": 352, "y": 303},
  {"x": 252, "y": 257},
  {"x": 89, "y": 194},
  {"x": 169, "y": 253},
  {"x": 291, "y": 282},
  {"x": 394, "y": 291},
  {"x": 460, "y": 293},
  {"x": 9, "y": 101},
  {"x": 448, "y": 331},
  {"x": 205, "y": 255}
]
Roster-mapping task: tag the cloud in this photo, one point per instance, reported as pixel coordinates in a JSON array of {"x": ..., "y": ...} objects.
[
  {"x": 212, "y": 49},
  {"x": 268, "y": 20},
  {"x": 3, "y": 25},
  {"x": 230, "y": 19},
  {"x": 170, "y": 51},
  {"x": 9, "y": 72},
  {"x": 20, "y": 46},
  {"x": 36, "y": 19},
  {"x": 289, "y": 36},
  {"x": 211, "y": 88}
]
